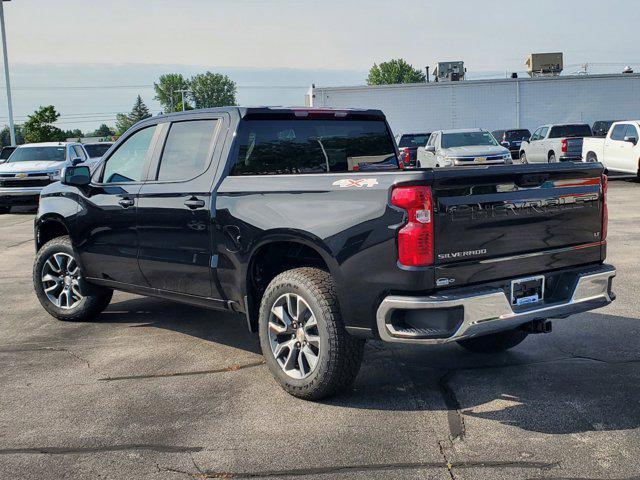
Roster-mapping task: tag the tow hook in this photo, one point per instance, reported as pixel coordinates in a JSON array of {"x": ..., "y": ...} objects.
[{"x": 538, "y": 326}]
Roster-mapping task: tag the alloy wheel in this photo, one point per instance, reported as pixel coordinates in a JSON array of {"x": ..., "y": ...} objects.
[
  {"x": 60, "y": 280},
  {"x": 293, "y": 336}
]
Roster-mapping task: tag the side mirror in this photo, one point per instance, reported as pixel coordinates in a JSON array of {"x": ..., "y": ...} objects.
[
  {"x": 75, "y": 161},
  {"x": 430, "y": 149},
  {"x": 76, "y": 176},
  {"x": 633, "y": 140},
  {"x": 505, "y": 144}
]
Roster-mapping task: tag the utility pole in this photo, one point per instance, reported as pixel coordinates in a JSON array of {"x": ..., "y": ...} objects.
[{"x": 12, "y": 128}]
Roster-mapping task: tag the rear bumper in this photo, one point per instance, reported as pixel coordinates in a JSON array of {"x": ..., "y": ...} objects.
[{"x": 489, "y": 310}]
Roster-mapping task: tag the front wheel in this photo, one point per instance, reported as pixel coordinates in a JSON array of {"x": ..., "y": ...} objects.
[
  {"x": 302, "y": 337},
  {"x": 495, "y": 342},
  {"x": 56, "y": 280},
  {"x": 523, "y": 157}
]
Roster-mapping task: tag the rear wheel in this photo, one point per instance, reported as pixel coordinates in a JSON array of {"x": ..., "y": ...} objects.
[
  {"x": 56, "y": 280},
  {"x": 303, "y": 339},
  {"x": 552, "y": 158},
  {"x": 592, "y": 157},
  {"x": 494, "y": 343}
]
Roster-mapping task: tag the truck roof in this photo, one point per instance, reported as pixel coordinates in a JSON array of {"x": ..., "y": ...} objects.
[{"x": 47, "y": 144}]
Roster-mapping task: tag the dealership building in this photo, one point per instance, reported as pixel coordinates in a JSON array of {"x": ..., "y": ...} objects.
[{"x": 492, "y": 104}]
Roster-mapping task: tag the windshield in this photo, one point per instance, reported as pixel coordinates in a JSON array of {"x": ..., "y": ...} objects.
[
  {"x": 568, "y": 131},
  {"x": 37, "y": 154},
  {"x": 97, "y": 150},
  {"x": 468, "y": 139},
  {"x": 517, "y": 135},
  {"x": 311, "y": 146},
  {"x": 414, "y": 140}
]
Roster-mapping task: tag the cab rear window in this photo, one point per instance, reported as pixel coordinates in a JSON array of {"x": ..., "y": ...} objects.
[{"x": 277, "y": 147}]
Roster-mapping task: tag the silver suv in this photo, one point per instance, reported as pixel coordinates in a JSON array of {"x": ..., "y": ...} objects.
[{"x": 33, "y": 166}]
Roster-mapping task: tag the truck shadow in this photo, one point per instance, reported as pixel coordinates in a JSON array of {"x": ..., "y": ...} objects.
[{"x": 570, "y": 381}]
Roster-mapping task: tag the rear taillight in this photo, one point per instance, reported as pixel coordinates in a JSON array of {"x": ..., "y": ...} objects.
[
  {"x": 564, "y": 145},
  {"x": 415, "y": 238},
  {"x": 605, "y": 209}
]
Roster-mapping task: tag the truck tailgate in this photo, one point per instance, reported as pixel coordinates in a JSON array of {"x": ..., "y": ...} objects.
[
  {"x": 497, "y": 222},
  {"x": 574, "y": 148}
]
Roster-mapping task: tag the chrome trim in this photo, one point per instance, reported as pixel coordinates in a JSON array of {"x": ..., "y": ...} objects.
[
  {"x": 490, "y": 311},
  {"x": 19, "y": 191}
]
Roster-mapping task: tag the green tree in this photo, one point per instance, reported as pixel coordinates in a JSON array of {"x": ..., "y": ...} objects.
[
  {"x": 394, "y": 71},
  {"x": 103, "y": 130},
  {"x": 75, "y": 134},
  {"x": 168, "y": 92},
  {"x": 39, "y": 127},
  {"x": 5, "y": 136},
  {"x": 126, "y": 120},
  {"x": 212, "y": 90}
]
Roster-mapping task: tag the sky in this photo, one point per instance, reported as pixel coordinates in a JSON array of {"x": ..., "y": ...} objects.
[{"x": 59, "y": 48}]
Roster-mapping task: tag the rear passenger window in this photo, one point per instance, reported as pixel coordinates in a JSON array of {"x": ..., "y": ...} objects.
[
  {"x": 272, "y": 147},
  {"x": 187, "y": 150},
  {"x": 618, "y": 132}
]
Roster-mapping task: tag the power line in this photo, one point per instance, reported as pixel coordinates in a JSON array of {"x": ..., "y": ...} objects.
[{"x": 116, "y": 87}]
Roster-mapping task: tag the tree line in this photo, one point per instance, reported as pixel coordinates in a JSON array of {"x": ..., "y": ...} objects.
[{"x": 204, "y": 90}]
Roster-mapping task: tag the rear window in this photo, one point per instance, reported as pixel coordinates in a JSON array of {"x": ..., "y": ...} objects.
[
  {"x": 272, "y": 147},
  {"x": 468, "y": 139},
  {"x": 517, "y": 135},
  {"x": 97, "y": 150},
  {"x": 38, "y": 154},
  {"x": 415, "y": 140},
  {"x": 568, "y": 131}
]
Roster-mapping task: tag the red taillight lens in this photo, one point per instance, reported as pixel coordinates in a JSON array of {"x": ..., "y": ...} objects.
[
  {"x": 415, "y": 238},
  {"x": 564, "y": 145},
  {"x": 605, "y": 209}
]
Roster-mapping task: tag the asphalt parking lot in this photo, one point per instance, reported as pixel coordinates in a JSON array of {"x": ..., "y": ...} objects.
[{"x": 159, "y": 390}]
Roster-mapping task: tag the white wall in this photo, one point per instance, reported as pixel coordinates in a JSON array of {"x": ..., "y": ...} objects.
[{"x": 492, "y": 104}]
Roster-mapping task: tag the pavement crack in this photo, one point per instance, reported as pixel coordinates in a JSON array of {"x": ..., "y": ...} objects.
[
  {"x": 232, "y": 368},
  {"x": 454, "y": 417},
  {"x": 99, "y": 449},
  {"x": 19, "y": 243}
]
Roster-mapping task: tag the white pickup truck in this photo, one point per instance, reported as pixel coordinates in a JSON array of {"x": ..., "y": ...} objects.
[
  {"x": 555, "y": 143},
  {"x": 618, "y": 151}
]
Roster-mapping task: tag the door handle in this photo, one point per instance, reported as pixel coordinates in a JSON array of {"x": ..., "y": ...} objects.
[
  {"x": 194, "y": 203},
  {"x": 126, "y": 202}
]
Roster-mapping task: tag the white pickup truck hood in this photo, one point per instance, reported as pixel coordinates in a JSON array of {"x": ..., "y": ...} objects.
[
  {"x": 31, "y": 167},
  {"x": 474, "y": 151}
]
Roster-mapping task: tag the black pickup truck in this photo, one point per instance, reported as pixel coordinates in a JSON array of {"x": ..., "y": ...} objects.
[{"x": 260, "y": 211}]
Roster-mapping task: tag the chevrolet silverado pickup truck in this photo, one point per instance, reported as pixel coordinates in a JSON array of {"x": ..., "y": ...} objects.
[
  {"x": 618, "y": 151},
  {"x": 31, "y": 167},
  {"x": 555, "y": 143},
  {"x": 464, "y": 147},
  {"x": 261, "y": 211}
]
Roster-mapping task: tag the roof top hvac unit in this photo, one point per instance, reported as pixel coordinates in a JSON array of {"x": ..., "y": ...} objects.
[
  {"x": 449, "y": 71},
  {"x": 544, "y": 64}
]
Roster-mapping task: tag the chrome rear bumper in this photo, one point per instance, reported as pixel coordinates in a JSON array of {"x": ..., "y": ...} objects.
[{"x": 489, "y": 311}]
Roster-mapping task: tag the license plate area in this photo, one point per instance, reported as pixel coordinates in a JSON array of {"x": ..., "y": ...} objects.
[{"x": 527, "y": 291}]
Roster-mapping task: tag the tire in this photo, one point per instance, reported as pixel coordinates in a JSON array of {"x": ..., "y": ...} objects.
[
  {"x": 56, "y": 260},
  {"x": 495, "y": 342},
  {"x": 592, "y": 157},
  {"x": 552, "y": 158},
  {"x": 289, "y": 351},
  {"x": 5, "y": 210},
  {"x": 523, "y": 158}
]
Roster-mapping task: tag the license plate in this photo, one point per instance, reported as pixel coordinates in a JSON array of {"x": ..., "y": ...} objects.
[
  {"x": 481, "y": 159},
  {"x": 526, "y": 291}
]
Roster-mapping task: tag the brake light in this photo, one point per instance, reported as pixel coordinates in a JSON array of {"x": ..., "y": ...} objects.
[
  {"x": 415, "y": 238},
  {"x": 564, "y": 145},
  {"x": 605, "y": 209}
]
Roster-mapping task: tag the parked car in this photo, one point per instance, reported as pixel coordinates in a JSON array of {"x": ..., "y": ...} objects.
[
  {"x": 512, "y": 139},
  {"x": 555, "y": 143},
  {"x": 447, "y": 148},
  {"x": 257, "y": 211},
  {"x": 97, "y": 150},
  {"x": 618, "y": 151},
  {"x": 33, "y": 166},
  {"x": 601, "y": 127},
  {"x": 408, "y": 144},
  {"x": 5, "y": 153}
]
